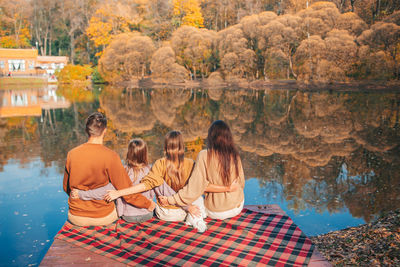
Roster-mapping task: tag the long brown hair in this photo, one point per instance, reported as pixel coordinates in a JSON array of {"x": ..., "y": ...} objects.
[
  {"x": 136, "y": 157},
  {"x": 174, "y": 149},
  {"x": 220, "y": 145}
]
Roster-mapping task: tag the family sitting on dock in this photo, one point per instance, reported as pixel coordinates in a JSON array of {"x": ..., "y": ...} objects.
[{"x": 94, "y": 177}]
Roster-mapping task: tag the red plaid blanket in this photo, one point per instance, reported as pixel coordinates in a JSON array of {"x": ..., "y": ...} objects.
[{"x": 248, "y": 239}]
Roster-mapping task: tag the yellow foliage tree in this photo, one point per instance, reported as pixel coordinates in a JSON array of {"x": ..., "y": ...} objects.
[
  {"x": 14, "y": 24},
  {"x": 105, "y": 24},
  {"x": 188, "y": 12},
  {"x": 74, "y": 73},
  {"x": 99, "y": 30},
  {"x": 9, "y": 40}
]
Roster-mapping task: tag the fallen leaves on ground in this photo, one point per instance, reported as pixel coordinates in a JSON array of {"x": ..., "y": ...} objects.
[{"x": 373, "y": 244}]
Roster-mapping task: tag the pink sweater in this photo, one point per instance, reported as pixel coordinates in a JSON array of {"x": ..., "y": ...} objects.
[{"x": 123, "y": 208}]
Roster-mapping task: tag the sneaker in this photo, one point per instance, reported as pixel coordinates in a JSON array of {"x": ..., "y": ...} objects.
[
  {"x": 197, "y": 223},
  {"x": 200, "y": 226}
]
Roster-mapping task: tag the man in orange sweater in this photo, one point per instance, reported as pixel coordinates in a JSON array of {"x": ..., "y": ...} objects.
[{"x": 92, "y": 165}]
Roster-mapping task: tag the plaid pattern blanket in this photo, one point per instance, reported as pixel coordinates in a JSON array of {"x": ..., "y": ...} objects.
[{"x": 248, "y": 239}]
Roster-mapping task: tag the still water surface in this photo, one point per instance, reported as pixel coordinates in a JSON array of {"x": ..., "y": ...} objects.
[{"x": 329, "y": 160}]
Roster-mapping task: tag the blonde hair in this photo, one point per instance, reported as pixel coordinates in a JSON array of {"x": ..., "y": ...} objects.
[{"x": 174, "y": 151}]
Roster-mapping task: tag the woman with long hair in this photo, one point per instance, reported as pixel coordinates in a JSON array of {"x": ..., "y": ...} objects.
[
  {"x": 167, "y": 176},
  {"x": 219, "y": 164},
  {"x": 137, "y": 167}
]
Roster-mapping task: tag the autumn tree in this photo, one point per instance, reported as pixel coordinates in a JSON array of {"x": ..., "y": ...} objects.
[
  {"x": 157, "y": 21},
  {"x": 236, "y": 59},
  {"x": 383, "y": 37},
  {"x": 14, "y": 24},
  {"x": 372, "y": 11},
  {"x": 220, "y": 14},
  {"x": 188, "y": 12},
  {"x": 393, "y": 18},
  {"x": 43, "y": 15},
  {"x": 252, "y": 27},
  {"x": 164, "y": 67},
  {"x": 194, "y": 49},
  {"x": 326, "y": 60},
  {"x": 109, "y": 20},
  {"x": 281, "y": 37},
  {"x": 352, "y": 23},
  {"x": 75, "y": 16},
  {"x": 127, "y": 56},
  {"x": 319, "y": 19}
]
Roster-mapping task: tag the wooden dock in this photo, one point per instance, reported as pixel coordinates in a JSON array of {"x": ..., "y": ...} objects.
[{"x": 62, "y": 253}]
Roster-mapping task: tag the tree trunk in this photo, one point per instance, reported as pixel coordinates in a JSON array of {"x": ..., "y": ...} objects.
[
  {"x": 50, "y": 40},
  {"x": 216, "y": 21},
  {"x": 88, "y": 52},
  {"x": 291, "y": 67},
  {"x": 16, "y": 32},
  {"x": 72, "y": 44},
  {"x": 225, "y": 23},
  {"x": 45, "y": 43}
]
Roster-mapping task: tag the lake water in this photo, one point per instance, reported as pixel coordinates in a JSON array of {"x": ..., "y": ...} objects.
[{"x": 329, "y": 160}]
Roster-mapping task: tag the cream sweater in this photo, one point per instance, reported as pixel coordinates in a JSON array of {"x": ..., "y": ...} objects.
[{"x": 203, "y": 175}]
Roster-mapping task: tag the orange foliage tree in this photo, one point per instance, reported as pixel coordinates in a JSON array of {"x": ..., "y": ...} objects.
[{"x": 127, "y": 56}]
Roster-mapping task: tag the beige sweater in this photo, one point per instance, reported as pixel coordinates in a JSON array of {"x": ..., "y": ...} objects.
[{"x": 202, "y": 176}]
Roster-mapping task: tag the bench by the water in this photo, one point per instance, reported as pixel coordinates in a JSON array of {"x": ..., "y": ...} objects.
[{"x": 62, "y": 253}]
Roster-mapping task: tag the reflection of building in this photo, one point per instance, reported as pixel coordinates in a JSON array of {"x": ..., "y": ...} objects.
[
  {"x": 30, "y": 102},
  {"x": 27, "y": 62},
  {"x": 51, "y": 64}
]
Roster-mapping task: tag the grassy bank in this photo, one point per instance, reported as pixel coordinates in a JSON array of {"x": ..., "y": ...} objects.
[
  {"x": 13, "y": 82},
  {"x": 373, "y": 244}
]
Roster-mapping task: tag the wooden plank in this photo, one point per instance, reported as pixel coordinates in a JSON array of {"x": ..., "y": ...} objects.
[{"x": 62, "y": 253}]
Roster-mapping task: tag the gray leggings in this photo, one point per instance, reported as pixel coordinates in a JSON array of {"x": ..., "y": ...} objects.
[{"x": 138, "y": 218}]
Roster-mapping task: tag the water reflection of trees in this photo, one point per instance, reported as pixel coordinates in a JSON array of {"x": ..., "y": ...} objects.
[
  {"x": 324, "y": 150},
  {"x": 300, "y": 140}
]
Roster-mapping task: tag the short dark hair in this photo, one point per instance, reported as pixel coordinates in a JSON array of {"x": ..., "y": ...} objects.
[{"x": 95, "y": 124}]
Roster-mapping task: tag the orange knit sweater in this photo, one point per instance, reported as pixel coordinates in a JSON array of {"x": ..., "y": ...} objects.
[{"x": 90, "y": 166}]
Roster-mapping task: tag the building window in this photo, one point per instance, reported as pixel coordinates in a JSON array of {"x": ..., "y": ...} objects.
[
  {"x": 31, "y": 65},
  {"x": 1, "y": 64},
  {"x": 16, "y": 65}
]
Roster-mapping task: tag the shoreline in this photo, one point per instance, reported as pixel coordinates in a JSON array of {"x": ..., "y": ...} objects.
[
  {"x": 352, "y": 86},
  {"x": 373, "y": 244}
]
